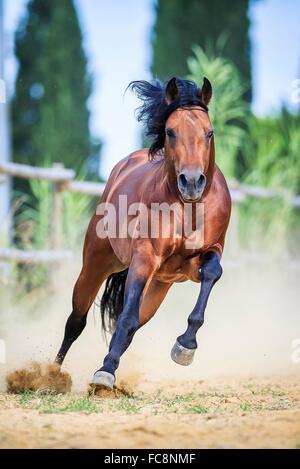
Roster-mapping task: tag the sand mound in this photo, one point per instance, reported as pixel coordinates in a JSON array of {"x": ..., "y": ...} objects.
[
  {"x": 42, "y": 377},
  {"x": 115, "y": 393},
  {"x": 126, "y": 386}
]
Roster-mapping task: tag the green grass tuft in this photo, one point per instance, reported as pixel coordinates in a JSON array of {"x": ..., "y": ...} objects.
[
  {"x": 197, "y": 409},
  {"x": 246, "y": 407},
  {"x": 128, "y": 405},
  {"x": 82, "y": 404}
]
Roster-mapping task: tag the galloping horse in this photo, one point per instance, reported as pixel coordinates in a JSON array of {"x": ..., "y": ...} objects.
[{"x": 179, "y": 168}]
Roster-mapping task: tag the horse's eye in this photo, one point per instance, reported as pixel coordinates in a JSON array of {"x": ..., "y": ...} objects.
[
  {"x": 210, "y": 134},
  {"x": 170, "y": 132}
]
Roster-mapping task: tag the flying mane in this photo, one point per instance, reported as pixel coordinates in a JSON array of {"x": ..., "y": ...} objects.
[{"x": 155, "y": 110}]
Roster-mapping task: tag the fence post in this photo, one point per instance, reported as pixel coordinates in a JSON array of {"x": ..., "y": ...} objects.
[
  {"x": 5, "y": 150},
  {"x": 56, "y": 222}
]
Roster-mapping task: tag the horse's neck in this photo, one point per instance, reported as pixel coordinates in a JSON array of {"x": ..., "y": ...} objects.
[
  {"x": 211, "y": 167},
  {"x": 169, "y": 179}
]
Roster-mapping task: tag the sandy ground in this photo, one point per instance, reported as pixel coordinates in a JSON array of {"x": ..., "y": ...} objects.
[
  {"x": 251, "y": 331},
  {"x": 227, "y": 413}
]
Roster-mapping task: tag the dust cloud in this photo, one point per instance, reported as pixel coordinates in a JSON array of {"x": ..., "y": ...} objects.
[
  {"x": 251, "y": 321},
  {"x": 47, "y": 378}
]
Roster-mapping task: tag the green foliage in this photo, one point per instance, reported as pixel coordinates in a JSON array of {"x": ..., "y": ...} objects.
[
  {"x": 228, "y": 110},
  {"x": 272, "y": 156},
  {"x": 32, "y": 222},
  {"x": 180, "y": 24},
  {"x": 272, "y": 151},
  {"x": 77, "y": 210}
]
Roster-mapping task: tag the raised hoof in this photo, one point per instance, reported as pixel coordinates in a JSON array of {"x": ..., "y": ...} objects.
[
  {"x": 103, "y": 379},
  {"x": 181, "y": 355}
]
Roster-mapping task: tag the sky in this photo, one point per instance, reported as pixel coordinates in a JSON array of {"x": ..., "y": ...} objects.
[{"x": 117, "y": 43}]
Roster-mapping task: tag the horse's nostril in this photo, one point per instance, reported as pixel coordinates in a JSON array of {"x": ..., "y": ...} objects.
[
  {"x": 183, "y": 180},
  {"x": 191, "y": 183},
  {"x": 201, "y": 181}
]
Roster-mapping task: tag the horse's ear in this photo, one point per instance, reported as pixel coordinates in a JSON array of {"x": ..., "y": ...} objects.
[
  {"x": 172, "y": 91},
  {"x": 206, "y": 91}
]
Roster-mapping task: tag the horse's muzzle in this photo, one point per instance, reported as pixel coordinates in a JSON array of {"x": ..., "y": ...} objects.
[{"x": 191, "y": 184}]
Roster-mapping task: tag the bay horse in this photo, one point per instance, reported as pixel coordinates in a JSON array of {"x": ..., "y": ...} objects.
[{"x": 178, "y": 168}]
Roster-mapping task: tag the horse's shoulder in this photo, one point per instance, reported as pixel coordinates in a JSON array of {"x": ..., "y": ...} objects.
[
  {"x": 219, "y": 193},
  {"x": 219, "y": 182}
]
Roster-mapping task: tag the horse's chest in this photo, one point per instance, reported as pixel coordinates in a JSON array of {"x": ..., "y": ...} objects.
[{"x": 178, "y": 269}]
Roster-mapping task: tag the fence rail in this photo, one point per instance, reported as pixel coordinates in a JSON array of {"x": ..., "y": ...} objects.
[
  {"x": 64, "y": 180},
  {"x": 86, "y": 187},
  {"x": 34, "y": 257},
  {"x": 55, "y": 174},
  {"x": 240, "y": 191}
]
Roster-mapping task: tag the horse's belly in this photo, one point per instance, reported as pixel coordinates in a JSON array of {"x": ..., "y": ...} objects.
[
  {"x": 122, "y": 249},
  {"x": 175, "y": 270}
]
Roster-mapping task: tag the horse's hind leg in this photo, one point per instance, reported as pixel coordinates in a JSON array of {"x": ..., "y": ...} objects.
[
  {"x": 97, "y": 266},
  {"x": 85, "y": 291}
]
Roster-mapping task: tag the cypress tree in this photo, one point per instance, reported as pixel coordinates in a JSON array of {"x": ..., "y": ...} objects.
[{"x": 50, "y": 114}]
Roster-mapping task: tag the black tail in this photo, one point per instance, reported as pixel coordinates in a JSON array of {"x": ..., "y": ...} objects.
[{"x": 112, "y": 300}]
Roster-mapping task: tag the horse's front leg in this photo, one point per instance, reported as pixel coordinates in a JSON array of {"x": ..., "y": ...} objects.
[
  {"x": 140, "y": 274},
  {"x": 186, "y": 344}
]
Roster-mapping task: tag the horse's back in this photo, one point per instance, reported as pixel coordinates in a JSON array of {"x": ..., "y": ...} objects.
[{"x": 129, "y": 164}]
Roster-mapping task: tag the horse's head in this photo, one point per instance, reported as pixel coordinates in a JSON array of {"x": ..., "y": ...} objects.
[
  {"x": 189, "y": 141},
  {"x": 176, "y": 116}
]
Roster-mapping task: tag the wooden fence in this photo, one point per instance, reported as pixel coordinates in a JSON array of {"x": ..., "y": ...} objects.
[{"x": 64, "y": 180}]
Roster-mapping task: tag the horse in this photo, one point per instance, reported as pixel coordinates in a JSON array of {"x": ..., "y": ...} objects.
[{"x": 177, "y": 169}]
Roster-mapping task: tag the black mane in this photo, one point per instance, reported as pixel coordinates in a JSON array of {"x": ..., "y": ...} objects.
[{"x": 155, "y": 110}]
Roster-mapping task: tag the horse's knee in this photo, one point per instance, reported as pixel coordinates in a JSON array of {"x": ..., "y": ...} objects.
[
  {"x": 129, "y": 318},
  {"x": 211, "y": 269}
]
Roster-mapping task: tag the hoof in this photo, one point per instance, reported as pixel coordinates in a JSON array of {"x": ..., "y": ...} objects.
[
  {"x": 103, "y": 379},
  {"x": 181, "y": 355}
]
